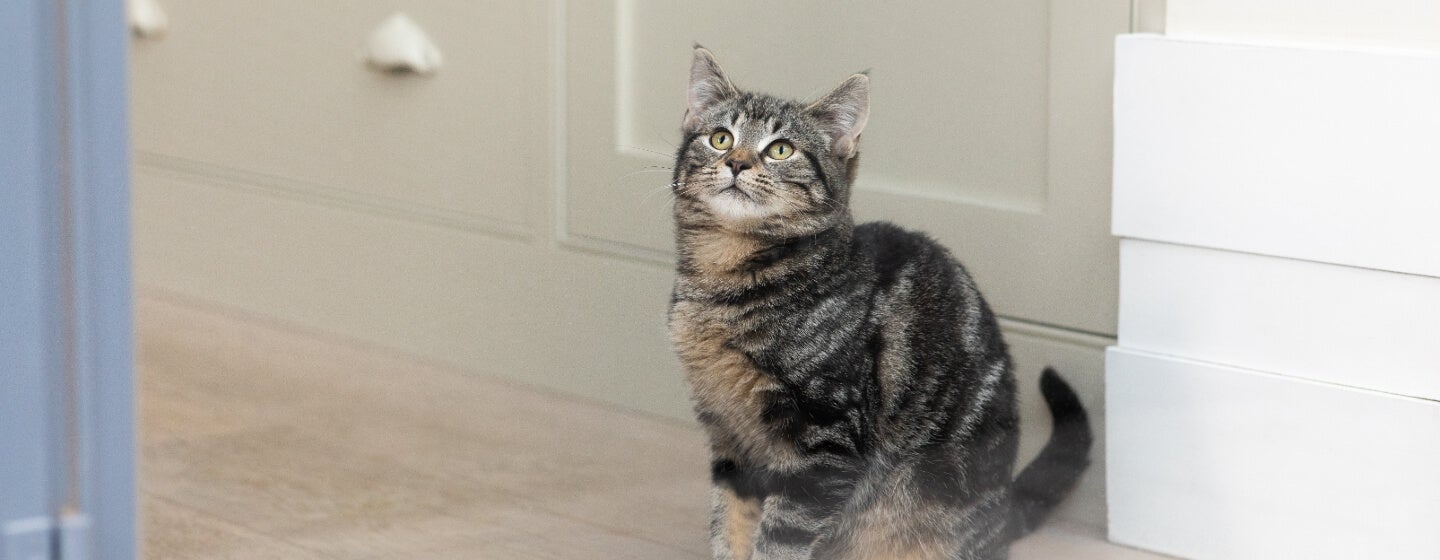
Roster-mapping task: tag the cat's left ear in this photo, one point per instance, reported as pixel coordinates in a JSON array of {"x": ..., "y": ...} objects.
[
  {"x": 708, "y": 86},
  {"x": 842, "y": 113}
]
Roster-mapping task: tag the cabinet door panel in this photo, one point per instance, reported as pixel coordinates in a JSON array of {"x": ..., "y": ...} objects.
[
  {"x": 989, "y": 128},
  {"x": 277, "y": 91}
]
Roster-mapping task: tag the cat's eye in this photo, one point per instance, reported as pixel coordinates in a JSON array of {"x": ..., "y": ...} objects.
[
  {"x": 780, "y": 150},
  {"x": 722, "y": 140}
]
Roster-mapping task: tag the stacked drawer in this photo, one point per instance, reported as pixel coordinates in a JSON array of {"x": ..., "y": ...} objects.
[{"x": 1275, "y": 392}]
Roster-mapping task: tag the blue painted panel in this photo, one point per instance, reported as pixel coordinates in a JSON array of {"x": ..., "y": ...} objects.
[
  {"x": 66, "y": 358},
  {"x": 29, "y": 438},
  {"x": 100, "y": 150}
]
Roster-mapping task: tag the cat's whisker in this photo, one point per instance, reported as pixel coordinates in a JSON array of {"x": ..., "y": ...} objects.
[
  {"x": 639, "y": 171},
  {"x": 670, "y": 188},
  {"x": 622, "y": 178},
  {"x": 648, "y": 150}
]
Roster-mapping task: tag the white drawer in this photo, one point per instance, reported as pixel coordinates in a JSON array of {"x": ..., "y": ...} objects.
[
  {"x": 1372, "y": 23},
  {"x": 277, "y": 90},
  {"x": 1207, "y": 461},
  {"x": 1318, "y": 154},
  {"x": 1358, "y": 327}
]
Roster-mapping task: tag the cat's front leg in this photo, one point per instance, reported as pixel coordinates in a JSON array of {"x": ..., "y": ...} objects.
[
  {"x": 788, "y": 530},
  {"x": 797, "y": 512},
  {"x": 733, "y": 521}
]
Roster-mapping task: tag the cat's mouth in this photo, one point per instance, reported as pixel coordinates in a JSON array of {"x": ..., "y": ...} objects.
[{"x": 735, "y": 189}]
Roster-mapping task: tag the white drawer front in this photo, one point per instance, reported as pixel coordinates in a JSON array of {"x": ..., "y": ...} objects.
[
  {"x": 1207, "y": 461},
  {"x": 1389, "y": 23},
  {"x": 1325, "y": 155},
  {"x": 1351, "y": 326}
]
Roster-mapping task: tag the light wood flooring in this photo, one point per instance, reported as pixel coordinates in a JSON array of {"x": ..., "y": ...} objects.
[{"x": 262, "y": 441}]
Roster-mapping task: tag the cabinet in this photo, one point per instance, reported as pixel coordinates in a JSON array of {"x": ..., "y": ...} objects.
[{"x": 1275, "y": 377}]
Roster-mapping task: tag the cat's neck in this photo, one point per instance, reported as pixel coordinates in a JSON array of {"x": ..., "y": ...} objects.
[{"x": 724, "y": 259}]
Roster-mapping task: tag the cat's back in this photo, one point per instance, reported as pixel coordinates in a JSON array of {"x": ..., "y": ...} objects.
[
  {"x": 920, "y": 284},
  {"x": 904, "y": 256},
  {"x": 939, "y": 344}
]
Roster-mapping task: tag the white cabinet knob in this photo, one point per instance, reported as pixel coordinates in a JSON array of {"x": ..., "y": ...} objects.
[
  {"x": 399, "y": 45},
  {"x": 147, "y": 19}
]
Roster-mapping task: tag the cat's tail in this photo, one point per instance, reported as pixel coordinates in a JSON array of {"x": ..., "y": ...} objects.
[{"x": 1054, "y": 472}]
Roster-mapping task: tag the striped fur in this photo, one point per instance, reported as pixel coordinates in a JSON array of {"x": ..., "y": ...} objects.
[{"x": 853, "y": 383}]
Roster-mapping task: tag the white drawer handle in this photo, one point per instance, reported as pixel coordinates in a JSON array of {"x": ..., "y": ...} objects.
[
  {"x": 147, "y": 19},
  {"x": 399, "y": 45}
]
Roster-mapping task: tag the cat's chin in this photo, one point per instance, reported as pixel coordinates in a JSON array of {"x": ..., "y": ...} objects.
[{"x": 736, "y": 208}]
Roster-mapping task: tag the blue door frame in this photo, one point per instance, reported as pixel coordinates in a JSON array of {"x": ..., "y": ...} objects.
[{"x": 67, "y": 442}]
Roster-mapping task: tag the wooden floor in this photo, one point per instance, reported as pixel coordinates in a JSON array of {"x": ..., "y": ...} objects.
[{"x": 260, "y": 441}]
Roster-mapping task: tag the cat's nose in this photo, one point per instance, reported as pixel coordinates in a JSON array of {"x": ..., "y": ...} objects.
[{"x": 738, "y": 165}]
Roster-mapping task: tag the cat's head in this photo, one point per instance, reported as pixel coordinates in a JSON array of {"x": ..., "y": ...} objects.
[{"x": 758, "y": 164}]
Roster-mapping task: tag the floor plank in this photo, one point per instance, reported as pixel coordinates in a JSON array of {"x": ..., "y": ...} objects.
[
  {"x": 260, "y": 440},
  {"x": 174, "y": 531}
]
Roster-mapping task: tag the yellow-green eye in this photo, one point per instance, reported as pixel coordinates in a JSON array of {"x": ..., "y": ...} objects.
[
  {"x": 721, "y": 140},
  {"x": 780, "y": 150}
]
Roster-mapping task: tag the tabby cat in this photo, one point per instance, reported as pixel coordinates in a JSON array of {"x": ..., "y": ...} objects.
[{"x": 854, "y": 385}]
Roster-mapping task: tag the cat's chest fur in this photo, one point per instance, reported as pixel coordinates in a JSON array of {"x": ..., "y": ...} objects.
[{"x": 731, "y": 392}]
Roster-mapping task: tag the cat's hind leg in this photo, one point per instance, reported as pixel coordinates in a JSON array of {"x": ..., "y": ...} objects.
[{"x": 895, "y": 514}]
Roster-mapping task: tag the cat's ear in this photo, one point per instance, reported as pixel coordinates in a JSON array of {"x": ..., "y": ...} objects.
[
  {"x": 708, "y": 86},
  {"x": 843, "y": 113}
]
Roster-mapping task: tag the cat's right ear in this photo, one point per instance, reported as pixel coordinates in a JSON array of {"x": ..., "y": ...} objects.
[
  {"x": 708, "y": 86},
  {"x": 843, "y": 113}
]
